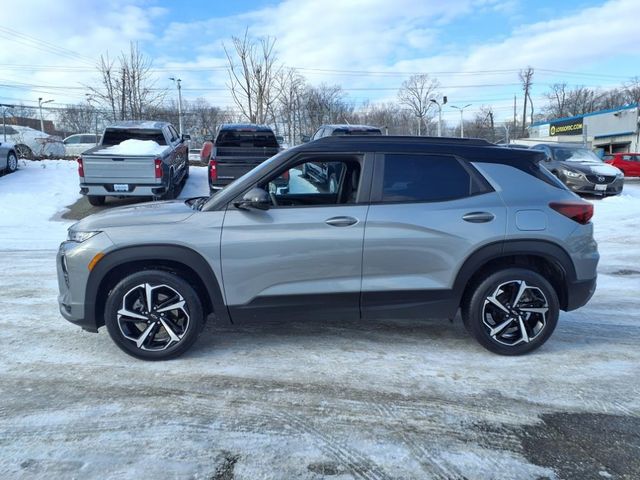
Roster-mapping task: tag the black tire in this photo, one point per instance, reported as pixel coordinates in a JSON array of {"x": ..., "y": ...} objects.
[
  {"x": 170, "y": 194},
  {"x": 538, "y": 294},
  {"x": 23, "y": 151},
  {"x": 185, "y": 322},
  {"x": 12, "y": 162},
  {"x": 96, "y": 200},
  {"x": 186, "y": 173}
]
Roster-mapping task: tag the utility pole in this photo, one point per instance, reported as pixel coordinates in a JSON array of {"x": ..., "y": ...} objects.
[
  {"x": 177, "y": 81},
  {"x": 526, "y": 77},
  {"x": 461, "y": 109},
  {"x": 444, "y": 101},
  {"x": 4, "y": 118},
  {"x": 40, "y": 103},
  {"x": 515, "y": 115}
]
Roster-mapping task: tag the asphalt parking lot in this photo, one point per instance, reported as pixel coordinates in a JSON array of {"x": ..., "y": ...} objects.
[{"x": 381, "y": 400}]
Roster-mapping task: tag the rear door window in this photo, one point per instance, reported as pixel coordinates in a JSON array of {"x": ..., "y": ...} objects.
[
  {"x": 246, "y": 139},
  {"x": 428, "y": 178}
]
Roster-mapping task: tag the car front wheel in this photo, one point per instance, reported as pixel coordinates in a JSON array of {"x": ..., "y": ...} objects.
[
  {"x": 511, "y": 312},
  {"x": 12, "y": 162},
  {"x": 153, "y": 315}
]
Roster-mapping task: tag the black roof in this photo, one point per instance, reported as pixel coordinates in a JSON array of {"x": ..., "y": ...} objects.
[{"x": 472, "y": 149}]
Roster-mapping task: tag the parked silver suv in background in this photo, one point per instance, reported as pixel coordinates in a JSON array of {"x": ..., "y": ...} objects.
[{"x": 415, "y": 228}]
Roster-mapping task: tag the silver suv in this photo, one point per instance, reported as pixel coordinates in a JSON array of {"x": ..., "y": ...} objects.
[{"x": 415, "y": 228}]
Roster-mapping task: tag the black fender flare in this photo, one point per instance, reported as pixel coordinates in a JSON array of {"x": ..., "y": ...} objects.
[
  {"x": 547, "y": 250},
  {"x": 174, "y": 253}
]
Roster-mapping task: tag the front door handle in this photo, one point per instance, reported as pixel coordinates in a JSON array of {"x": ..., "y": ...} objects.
[
  {"x": 341, "y": 221},
  {"x": 478, "y": 217}
]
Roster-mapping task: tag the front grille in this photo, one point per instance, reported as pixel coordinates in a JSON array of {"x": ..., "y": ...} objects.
[{"x": 601, "y": 178}]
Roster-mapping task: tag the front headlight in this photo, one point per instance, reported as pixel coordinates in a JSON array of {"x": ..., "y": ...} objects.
[
  {"x": 76, "y": 236},
  {"x": 572, "y": 174}
]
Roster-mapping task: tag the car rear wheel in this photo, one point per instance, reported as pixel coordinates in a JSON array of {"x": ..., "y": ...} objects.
[
  {"x": 12, "y": 162},
  {"x": 153, "y": 315},
  {"x": 512, "y": 311},
  {"x": 96, "y": 200},
  {"x": 23, "y": 151}
]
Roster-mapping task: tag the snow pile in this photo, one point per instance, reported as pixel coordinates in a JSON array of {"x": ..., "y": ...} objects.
[
  {"x": 30, "y": 198},
  {"x": 134, "y": 146}
]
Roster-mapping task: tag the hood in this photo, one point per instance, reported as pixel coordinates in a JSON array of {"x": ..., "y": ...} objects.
[
  {"x": 152, "y": 213},
  {"x": 591, "y": 167}
]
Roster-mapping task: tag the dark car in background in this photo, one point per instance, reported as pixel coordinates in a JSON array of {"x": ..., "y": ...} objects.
[
  {"x": 237, "y": 149},
  {"x": 345, "y": 129},
  {"x": 582, "y": 170},
  {"x": 627, "y": 163}
]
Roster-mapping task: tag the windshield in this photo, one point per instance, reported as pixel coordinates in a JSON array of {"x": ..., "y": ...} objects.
[
  {"x": 244, "y": 138},
  {"x": 116, "y": 136},
  {"x": 575, "y": 155}
]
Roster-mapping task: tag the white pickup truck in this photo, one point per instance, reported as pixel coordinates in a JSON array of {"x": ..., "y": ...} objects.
[{"x": 135, "y": 159}]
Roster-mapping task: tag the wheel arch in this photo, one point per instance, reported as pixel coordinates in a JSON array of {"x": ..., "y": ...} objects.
[
  {"x": 547, "y": 258},
  {"x": 187, "y": 263}
]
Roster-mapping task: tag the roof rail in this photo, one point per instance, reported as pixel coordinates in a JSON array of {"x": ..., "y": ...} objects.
[{"x": 407, "y": 138}]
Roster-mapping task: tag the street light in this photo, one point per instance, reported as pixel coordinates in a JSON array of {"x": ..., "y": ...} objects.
[
  {"x": 40, "y": 103},
  {"x": 90, "y": 98},
  {"x": 177, "y": 82},
  {"x": 461, "y": 119},
  {"x": 444, "y": 101}
]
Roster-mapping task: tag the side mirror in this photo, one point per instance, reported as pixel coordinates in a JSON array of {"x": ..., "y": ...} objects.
[
  {"x": 257, "y": 198},
  {"x": 186, "y": 137},
  {"x": 305, "y": 138}
]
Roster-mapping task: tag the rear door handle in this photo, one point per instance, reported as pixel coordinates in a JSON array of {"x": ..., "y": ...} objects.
[
  {"x": 478, "y": 217},
  {"x": 341, "y": 221}
]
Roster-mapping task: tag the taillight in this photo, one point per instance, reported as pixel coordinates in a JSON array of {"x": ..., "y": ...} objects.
[
  {"x": 213, "y": 170},
  {"x": 285, "y": 175},
  {"x": 205, "y": 153},
  {"x": 580, "y": 212},
  {"x": 158, "y": 163},
  {"x": 80, "y": 167}
]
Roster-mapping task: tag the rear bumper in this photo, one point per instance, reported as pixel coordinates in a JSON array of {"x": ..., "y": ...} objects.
[
  {"x": 107, "y": 189},
  {"x": 579, "y": 293}
]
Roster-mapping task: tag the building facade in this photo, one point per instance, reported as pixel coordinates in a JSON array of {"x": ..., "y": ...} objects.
[{"x": 606, "y": 131}]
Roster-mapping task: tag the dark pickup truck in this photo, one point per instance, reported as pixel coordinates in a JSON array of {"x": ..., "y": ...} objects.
[{"x": 237, "y": 149}]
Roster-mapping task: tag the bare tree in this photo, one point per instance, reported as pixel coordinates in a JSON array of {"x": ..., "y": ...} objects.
[
  {"x": 291, "y": 86},
  {"x": 252, "y": 76},
  {"x": 632, "y": 90},
  {"x": 79, "y": 118},
  {"x": 526, "y": 77},
  {"x": 416, "y": 93},
  {"x": 325, "y": 104},
  {"x": 126, "y": 88}
]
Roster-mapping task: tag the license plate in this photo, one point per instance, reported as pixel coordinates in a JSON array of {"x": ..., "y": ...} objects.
[
  {"x": 600, "y": 188},
  {"x": 120, "y": 187}
]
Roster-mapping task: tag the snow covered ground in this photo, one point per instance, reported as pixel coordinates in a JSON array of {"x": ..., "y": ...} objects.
[{"x": 387, "y": 399}]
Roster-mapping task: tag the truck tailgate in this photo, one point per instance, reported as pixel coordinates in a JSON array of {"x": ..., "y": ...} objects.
[
  {"x": 230, "y": 168},
  {"x": 114, "y": 169}
]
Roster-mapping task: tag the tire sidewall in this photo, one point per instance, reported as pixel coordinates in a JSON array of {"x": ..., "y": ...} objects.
[
  {"x": 12, "y": 157},
  {"x": 154, "y": 277},
  {"x": 473, "y": 314}
]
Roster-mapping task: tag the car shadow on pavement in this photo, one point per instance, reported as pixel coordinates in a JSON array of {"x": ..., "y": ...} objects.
[{"x": 82, "y": 208}]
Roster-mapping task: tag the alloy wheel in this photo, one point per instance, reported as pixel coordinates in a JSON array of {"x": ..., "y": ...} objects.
[
  {"x": 515, "y": 313},
  {"x": 154, "y": 318}
]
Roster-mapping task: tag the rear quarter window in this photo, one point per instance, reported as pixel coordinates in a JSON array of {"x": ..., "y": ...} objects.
[{"x": 429, "y": 178}]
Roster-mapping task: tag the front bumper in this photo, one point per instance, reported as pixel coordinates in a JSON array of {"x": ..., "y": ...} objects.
[
  {"x": 72, "y": 263},
  {"x": 586, "y": 187},
  {"x": 579, "y": 293}
]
